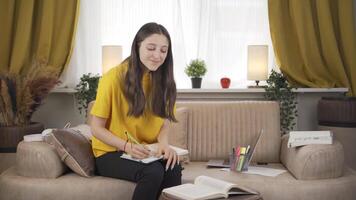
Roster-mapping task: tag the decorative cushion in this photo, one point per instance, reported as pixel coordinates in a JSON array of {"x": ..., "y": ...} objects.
[
  {"x": 74, "y": 149},
  {"x": 83, "y": 129},
  {"x": 178, "y": 131}
]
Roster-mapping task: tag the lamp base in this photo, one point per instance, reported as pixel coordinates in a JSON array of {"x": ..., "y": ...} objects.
[{"x": 257, "y": 86}]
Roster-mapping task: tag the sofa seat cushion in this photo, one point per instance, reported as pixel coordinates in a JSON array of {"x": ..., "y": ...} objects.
[
  {"x": 73, "y": 186},
  {"x": 38, "y": 159},
  {"x": 67, "y": 186},
  {"x": 282, "y": 187}
]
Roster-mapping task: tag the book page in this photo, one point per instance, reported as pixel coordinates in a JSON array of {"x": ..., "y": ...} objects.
[
  {"x": 145, "y": 160},
  {"x": 220, "y": 185},
  {"x": 192, "y": 192},
  {"x": 223, "y": 187},
  {"x": 179, "y": 151},
  {"x": 264, "y": 171}
]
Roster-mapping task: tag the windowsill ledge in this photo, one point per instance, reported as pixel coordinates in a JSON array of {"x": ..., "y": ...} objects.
[
  {"x": 229, "y": 90},
  {"x": 260, "y": 90},
  {"x": 64, "y": 90}
]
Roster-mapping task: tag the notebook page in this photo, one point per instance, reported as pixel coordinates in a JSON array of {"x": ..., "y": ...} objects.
[{"x": 145, "y": 160}]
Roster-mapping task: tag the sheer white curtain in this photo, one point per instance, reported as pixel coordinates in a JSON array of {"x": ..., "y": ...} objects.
[
  {"x": 217, "y": 31},
  {"x": 86, "y": 57}
]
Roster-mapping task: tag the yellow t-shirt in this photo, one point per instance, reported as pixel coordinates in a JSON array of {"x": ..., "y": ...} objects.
[{"x": 111, "y": 104}]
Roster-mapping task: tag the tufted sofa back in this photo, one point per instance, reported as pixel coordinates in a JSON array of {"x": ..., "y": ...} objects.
[{"x": 215, "y": 127}]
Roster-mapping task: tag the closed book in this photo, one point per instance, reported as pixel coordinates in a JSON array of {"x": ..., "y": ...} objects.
[
  {"x": 294, "y": 134},
  {"x": 300, "y": 138}
]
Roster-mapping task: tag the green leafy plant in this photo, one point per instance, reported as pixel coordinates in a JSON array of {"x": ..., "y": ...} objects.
[
  {"x": 22, "y": 94},
  {"x": 86, "y": 91},
  {"x": 278, "y": 89},
  {"x": 196, "y": 68}
]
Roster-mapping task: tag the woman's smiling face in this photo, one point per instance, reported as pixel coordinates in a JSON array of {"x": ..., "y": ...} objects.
[{"x": 153, "y": 51}]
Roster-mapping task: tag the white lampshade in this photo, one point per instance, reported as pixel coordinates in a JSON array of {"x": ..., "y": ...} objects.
[
  {"x": 111, "y": 57},
  {"x": 257, "y": 62}
]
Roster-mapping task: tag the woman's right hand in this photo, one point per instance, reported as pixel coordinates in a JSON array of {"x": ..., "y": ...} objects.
[{"x": 136, "y": 150}]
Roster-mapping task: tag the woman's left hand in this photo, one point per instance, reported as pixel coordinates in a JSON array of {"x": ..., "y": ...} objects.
[{"x": 169, "y": 154}]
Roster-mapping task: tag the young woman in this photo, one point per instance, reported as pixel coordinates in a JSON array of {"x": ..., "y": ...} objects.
[{"x": 138, "y": 97}]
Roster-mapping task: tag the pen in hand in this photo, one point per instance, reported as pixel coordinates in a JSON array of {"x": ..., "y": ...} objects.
[{"x": 131, "y": 138}]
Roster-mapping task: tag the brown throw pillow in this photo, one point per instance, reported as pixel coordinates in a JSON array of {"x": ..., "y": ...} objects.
[
  {"x": 74, "y": 150},
  {"x": 178, "y": 131}
]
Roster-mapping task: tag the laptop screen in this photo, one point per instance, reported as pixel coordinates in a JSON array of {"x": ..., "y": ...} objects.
[{"x": 253, "y": 148}]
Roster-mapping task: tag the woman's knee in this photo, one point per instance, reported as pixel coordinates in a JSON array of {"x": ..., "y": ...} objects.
[
  {"x": 154, "y": 170},
  {"x": 174, "y": 176}
]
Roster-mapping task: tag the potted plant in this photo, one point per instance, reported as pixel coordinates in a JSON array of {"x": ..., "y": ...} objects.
[
  {"x": 86, "y": 91},
  {"x": 278, "y": 89},
  {"x": 195, "y": 70},
  {"x": 20, "y": 97}
]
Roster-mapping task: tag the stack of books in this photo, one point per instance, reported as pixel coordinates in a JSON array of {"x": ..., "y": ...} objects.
[{"x": 301, "y": 138}]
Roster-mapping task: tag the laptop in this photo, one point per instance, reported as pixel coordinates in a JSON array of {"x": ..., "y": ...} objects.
[
  {"x": 217, "y": 163},
  {"x": 253, "y": 148}
]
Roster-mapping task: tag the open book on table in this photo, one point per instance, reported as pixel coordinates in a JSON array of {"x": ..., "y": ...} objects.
[
  {"x": 153, "y": 148},
  {"x": 206, "y": 187}
]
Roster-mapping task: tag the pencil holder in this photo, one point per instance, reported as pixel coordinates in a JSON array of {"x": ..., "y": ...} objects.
[
  {"x": 240, "y": 160},
  {"x": 232, "y": 160}
]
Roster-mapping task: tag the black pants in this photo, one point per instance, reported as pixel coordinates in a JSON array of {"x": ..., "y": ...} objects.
[{"x": 151, "y": 178}]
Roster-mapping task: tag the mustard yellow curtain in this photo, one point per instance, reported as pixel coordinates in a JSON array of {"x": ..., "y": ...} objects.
[
  {"x": 36, "y": 29},
  {"x": 315, "y": 41}
]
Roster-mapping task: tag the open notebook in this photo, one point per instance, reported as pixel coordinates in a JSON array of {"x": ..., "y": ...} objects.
[{"x": 153, "y": 149}]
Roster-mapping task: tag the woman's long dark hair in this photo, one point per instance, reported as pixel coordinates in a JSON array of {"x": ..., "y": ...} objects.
[{"x": 162, "y": 97}]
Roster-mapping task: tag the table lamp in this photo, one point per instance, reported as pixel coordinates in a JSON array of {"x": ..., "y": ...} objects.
[
  {"x": 257, "y": 63},
  {"x": 111, "y": 56}
]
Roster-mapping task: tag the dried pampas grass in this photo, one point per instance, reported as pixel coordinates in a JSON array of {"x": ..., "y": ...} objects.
[{"x": 21, "y": 95}]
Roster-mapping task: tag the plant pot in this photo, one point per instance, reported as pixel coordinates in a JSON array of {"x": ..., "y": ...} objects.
[
  {"x": 196, "y": 82},
  {"x": 10, "y": 136}
]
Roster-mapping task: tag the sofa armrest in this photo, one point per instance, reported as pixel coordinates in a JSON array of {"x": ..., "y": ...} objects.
[
  {"x": 39, "y": 160},
  {"x": 313, "y": 161}
]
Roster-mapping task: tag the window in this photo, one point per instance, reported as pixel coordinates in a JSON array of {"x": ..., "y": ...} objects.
[{"x": 217, "y": 31}]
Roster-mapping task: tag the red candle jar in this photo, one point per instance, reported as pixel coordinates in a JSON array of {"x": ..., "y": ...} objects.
[{"x": 225, "y": 82}]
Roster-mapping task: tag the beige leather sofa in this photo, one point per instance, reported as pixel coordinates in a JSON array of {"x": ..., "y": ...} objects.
[{"x": 314, "y": 172}]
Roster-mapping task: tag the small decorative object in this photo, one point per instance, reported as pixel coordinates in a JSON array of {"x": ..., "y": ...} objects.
[
  {"x": 195, "y": 70},
  {"x": 279, "y": 89},
  {"x": 86, "y": 91},
  {"x": 257, "y": 63},
  {"x": 225, "y": 82}
]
